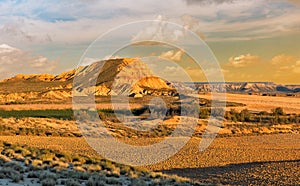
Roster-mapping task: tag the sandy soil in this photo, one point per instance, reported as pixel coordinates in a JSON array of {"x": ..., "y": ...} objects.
[
  {"x": 224, "y": 158},
  {"x": 262, "y": 103},
  {"x": 223, "y": 151}
]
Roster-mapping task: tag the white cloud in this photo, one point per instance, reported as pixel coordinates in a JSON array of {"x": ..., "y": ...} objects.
[
  {"x": 293, "y": 66},
  {"x": 203, "y": 2},
  {"x": 33, "y": 21},
  {"x": 282, "y": 59},
  {"x": 193, "y": 24},
  {"x": 175, "y": 73},
  {"x": 15, "y": 61},
  {"x": 243, "y": 60},
  {"x": 172, "y": 55},
  {"x": 296, "y": 67},
  {"x": 88, "y": 60}
]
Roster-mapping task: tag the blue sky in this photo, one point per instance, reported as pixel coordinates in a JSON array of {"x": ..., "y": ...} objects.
[{"x": 62, "y": 30}]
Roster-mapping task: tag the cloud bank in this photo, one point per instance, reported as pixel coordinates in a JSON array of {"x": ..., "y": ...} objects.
[
  {"x": 15, "y": 61},
  {"x": 243, "y": 60}
]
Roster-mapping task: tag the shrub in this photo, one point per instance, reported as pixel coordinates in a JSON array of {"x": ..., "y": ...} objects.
[
  {"x": 16, "y": 177},
  {"x": 9, "y": 152},
  {"x": 204, "y": 113},
  {"x": 48, "y": 182},
  {"x": 96, "y": 181},
  {"x": 47, "y": 156},
  {"x": 72, "y": 182},
  {"x": 113, "y": 181},
  {"x": 7, "y": 172},
  {"x": 4, "y": 158},
  {"x": 245, "y": 115},
  {"x": 278, "y": 111},
  {"x": 33, "y": 174},
  {"x": 14, "y": 166},
  {"x": 94, "y": 167},
  {"x": 137, "y": 182},
  {"x": 37, "y": 163},
  {"x": 47, "y": 175},
  {"x": 217, "y": 112}
]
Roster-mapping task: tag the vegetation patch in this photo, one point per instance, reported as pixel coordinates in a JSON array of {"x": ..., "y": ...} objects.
[{"x": 42, "y": 167}]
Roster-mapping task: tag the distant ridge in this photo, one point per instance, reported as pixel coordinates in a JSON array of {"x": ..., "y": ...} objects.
[
  {"x": 122, "y": 76},
  {"x": 229, "y": 82},
  {"x": 245, "y": 87}
]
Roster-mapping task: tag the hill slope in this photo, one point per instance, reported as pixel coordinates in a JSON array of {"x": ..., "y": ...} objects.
[{"x": 124, "y": 76}]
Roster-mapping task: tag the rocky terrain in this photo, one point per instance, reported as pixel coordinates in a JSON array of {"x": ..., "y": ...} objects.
[{"x": 263, "y": 88}]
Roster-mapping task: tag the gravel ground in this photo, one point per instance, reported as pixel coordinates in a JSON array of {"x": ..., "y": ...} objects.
[
  {"x": 257, "y": 173},
  {"x": 264, "y": 159}
]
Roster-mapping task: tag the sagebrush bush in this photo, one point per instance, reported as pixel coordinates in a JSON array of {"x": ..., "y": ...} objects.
[
  {"x": 47, "y": 157},
  {"x": 47, "y": 175},
  {"x": 72, "y": 182},
  {"x": 8, "y": 172},
  {"x": 93, "y": 171},
  {"x": 33, "y": 174},
  {"x": 48, "y": 182},
  {"x": 4, "y": 159},
  {"x": 37, "y": 163},
  {"x": 113, "y": 181}
]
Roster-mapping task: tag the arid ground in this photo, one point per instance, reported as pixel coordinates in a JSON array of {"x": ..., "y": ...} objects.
[
  {"x": 245, "y": 151},
  {"x": 263, "y": 159},
  {"x": 262, "y": 103}
]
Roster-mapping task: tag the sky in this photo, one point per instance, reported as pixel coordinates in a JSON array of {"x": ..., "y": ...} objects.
[{"x": 253, "y": 41}]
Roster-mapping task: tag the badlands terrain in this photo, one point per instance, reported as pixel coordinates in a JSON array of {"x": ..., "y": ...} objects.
[{"x": 258, "y": 142}]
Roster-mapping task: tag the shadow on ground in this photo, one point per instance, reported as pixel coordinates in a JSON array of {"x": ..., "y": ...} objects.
[{"x": 257, "y": 173}]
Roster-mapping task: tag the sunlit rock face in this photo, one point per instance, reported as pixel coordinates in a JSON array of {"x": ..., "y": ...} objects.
[{"x": 125, "y": 76}]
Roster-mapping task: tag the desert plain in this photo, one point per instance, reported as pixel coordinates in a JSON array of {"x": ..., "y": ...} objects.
[{"x": 42, "y": 144}]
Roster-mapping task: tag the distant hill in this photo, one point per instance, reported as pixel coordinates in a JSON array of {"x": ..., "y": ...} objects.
[
  {"x": 248, "y": 87},
  {"x": 126, "y": 76},
  {"x": 123, "y": 76}
]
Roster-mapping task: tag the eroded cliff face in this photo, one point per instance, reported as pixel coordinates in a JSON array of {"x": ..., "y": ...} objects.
[
  {"x": 248, "y": 87},
  {"x": 124, "y": 76}
]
